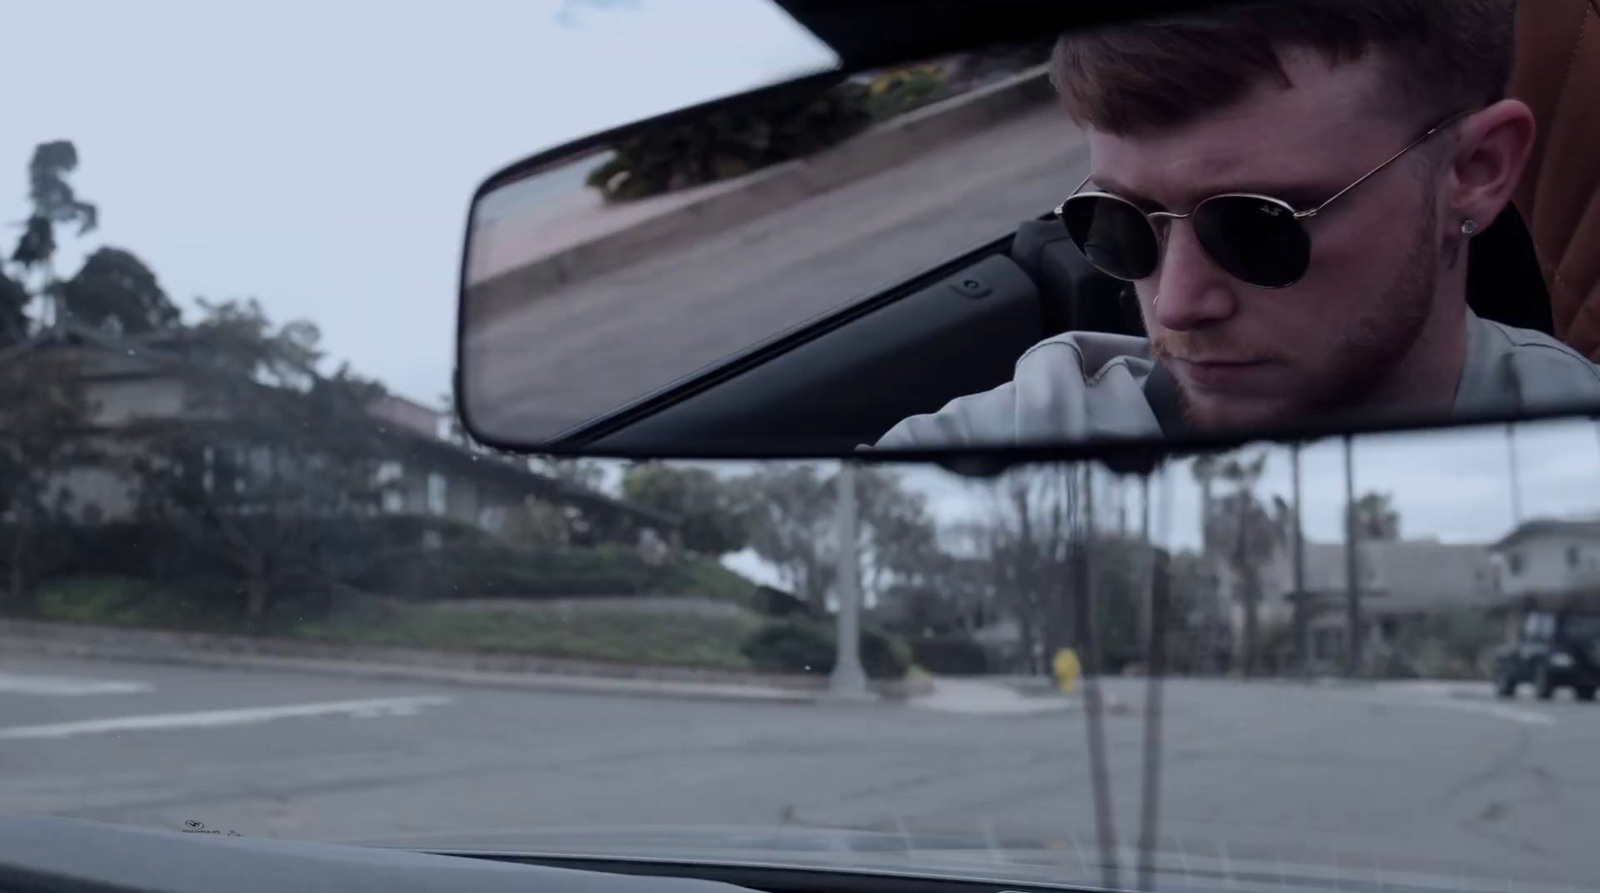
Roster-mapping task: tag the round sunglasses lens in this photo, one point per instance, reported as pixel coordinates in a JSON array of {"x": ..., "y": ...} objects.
[
  {"x": 1112, "y": 234},
  {"x": 1257, "y": 241}
]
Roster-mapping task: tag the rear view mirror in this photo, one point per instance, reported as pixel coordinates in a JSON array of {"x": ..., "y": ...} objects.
[
  {"x": 972, "y": 251},
  {"x": 638, "y": 264}
]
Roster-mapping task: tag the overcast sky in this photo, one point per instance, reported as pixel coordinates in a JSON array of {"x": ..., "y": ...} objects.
[
  {"x": 1453, "y": 485},
  {"x": 320, "y": 156}
]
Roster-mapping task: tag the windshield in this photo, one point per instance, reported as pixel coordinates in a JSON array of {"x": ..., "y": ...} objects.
[
  {"x": 256, "y": 580},
  {"x": 1582, "y": 627}
]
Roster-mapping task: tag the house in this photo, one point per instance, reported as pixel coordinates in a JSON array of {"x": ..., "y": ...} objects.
[
  {"x": 1400, "y": 582},
  {"x": 128, "y": 380},
  {"x": 1549, "y": 556}
]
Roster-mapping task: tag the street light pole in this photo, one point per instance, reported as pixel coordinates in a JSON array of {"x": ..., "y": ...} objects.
[
  {"x": 1302, "y": 643},
  {"x": 1352, "y": 579},
  {"x": 1516, "y": 478},
  {"x": 849, "y": 680}
]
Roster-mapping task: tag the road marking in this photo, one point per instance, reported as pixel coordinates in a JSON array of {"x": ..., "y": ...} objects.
[
  {"x": 202, "y": 719},
  {"x": 16, "y": 683}
]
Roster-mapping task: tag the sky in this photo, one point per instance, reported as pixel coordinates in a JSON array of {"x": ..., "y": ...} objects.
[
  {"x": 321, "y": 156},
  {"x": 1453, "y": 485}
]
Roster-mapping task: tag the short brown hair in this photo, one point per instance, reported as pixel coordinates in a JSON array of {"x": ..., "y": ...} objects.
[{"x": 1446, "y": 55}]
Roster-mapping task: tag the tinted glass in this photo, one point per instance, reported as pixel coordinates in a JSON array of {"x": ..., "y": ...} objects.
[
  {"x": 1258, "y": 241},
  {"x": 1114, "y": 235}
]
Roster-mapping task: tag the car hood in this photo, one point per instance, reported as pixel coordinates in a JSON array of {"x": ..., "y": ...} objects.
[{"x": 1037, "y": 861}]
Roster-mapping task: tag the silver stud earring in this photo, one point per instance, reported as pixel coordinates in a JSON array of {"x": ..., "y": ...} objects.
[{"x": 1469, "y": 227}]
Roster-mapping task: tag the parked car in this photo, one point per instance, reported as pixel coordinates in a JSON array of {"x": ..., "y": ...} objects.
[{"x": 1556, "y": 647}]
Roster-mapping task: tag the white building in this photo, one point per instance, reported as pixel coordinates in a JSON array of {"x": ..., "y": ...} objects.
[{"x": 1549, "y": 557}]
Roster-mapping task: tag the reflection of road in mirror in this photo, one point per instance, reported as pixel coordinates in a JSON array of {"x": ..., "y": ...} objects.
[{"x": 559, "y": 340}]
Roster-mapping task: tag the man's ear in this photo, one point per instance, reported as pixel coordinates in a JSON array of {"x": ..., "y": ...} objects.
[{"x": 1491, "y": 154}]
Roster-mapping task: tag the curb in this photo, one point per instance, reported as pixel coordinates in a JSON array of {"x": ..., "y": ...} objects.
[
  {"x": 762, "y": 192},
  {"x": 444, "y": 667}
]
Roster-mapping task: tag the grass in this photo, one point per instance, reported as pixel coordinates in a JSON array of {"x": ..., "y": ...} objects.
[
  {"x": 126, "y": 601},
  {"x": 615, "y": 636},
  {"x": 594, "y": 633}
]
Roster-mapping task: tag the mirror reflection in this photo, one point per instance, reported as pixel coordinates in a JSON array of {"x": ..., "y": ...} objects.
[{"x": 1220, "y": 221}]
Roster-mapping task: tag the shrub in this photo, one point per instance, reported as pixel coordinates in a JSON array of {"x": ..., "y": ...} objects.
[
  {"x": 803, "y": 646},
  {"x": 950, "y": 655},
  {"x": 730, "y": 142},
  {"x": 494, "y": 570}
]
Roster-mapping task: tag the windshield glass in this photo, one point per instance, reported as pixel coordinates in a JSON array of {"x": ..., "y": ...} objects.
[
  {"x": 256, "y": 580},
  {"x": 1582, "y": 627}
]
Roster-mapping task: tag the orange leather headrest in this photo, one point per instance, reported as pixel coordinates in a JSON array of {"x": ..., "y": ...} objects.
[{"x": 1558, "y": 75}]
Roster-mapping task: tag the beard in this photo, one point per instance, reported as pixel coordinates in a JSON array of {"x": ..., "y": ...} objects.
[{"x": 1363, "y": 358}]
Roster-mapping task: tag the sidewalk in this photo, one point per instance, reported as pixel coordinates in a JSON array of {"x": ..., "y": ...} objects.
[{"x": 1001, "y": 696}]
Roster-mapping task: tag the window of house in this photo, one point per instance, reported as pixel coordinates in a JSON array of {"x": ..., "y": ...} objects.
[
  {"x": 437, "y": 493},
  {"x": 1574, "y": 556},
  {"x": 1514, "y": 563},
  {"x": 389, "y": 477}
]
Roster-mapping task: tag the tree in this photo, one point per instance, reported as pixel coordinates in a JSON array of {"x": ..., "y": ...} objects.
[
  {"x": 54, "y": 202},
  {"x": 1251, "y": 535},
  {"x": 1032, "y": 532},
  {"x": 272, "y": 457},
  {"x": 43, "y": 410},
  {"x": 1376, "y": 518},
  {"x": 584, "y": 474},
  {"x": 14, "y": 301},
  {"x": 791, "y": 515},
  {"x": 114, "y": 290},
  {"x": 899, "y": 542},
  {"x": 707, "y": 505},
  {"x": 790, "y": 510}
]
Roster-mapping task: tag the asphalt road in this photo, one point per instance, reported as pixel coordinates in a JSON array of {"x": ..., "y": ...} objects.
[
  {"x": 604, "y": 341},
  {"x": 1387, "y": 779}
]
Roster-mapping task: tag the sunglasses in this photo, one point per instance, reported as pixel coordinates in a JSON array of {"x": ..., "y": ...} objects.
[{"x": 1258, "y": 239}]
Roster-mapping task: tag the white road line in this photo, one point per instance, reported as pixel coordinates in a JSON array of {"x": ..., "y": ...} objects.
[
  {"x": 367, "y": 709},
  {"x": 16, "y": 683}
]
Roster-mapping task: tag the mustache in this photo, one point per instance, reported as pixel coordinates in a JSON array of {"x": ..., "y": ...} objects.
[{"x": 1203, "y": 347}]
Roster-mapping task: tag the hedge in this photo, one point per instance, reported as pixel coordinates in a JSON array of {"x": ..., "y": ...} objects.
[
  {"x": 950, "y": 655},
  {"x": 805, "y": 646}
]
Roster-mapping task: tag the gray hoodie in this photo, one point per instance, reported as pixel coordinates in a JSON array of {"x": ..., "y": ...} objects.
[{"x": 1089, "y": 385}]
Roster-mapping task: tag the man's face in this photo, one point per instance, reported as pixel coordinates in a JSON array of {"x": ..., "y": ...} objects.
[{"x": 1244, "y": 355}]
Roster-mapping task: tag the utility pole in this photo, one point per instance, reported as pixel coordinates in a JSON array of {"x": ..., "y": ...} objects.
[
  {"x": 1302, "y": 644},
  {"x": 849, "y": 680},
  {"x": 1352, "y": 576},
  {"x": 1147, "y": 553},
  {"x": 1516, "y": 478}
]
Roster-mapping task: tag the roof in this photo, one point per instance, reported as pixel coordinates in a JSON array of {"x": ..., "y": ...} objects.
[
  {"x": 1581, "y": 528},
  {"x": 1428, "y": 570}
]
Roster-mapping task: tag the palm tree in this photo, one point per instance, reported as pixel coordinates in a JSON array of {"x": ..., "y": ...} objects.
[
  {"x": 1376, "y": 517},
  {"x": 1253, "y": 536}
]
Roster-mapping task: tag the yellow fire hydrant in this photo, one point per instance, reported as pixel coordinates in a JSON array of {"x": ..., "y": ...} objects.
[{"x": 1067, "y": 669}]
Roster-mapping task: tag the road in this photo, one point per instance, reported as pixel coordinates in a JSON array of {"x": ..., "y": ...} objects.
[
  {"x": 604, "y": 341},
  {"x": 1380, "y": 779}
]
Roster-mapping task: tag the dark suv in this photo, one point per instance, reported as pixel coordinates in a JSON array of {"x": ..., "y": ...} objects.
[{"x": 1554, "y": 649}]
